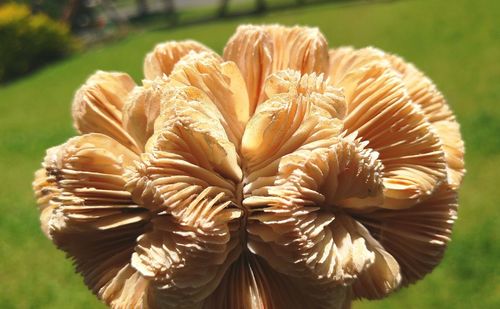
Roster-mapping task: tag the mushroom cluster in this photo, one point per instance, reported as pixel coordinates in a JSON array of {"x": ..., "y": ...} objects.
[{"x": 280, "y": 175}]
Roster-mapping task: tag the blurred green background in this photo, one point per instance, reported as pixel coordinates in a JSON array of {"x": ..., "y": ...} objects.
[{"x": 456, "y": 42}]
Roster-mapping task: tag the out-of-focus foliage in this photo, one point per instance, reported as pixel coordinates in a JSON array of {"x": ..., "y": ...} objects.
[
  {"x": 29, "y": 40},
  {"x": 53, "y": 8}
]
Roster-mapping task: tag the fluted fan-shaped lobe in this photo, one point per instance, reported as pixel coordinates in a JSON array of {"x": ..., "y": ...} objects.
[
  {"x": 45, "y": 187},
  {"x": 381, "y": 112},
  {"x": 261, "y": 50},
  {"x": 344, "y": 60},
  {"x": 417, "y": 236},
  {"x": 223, "y": 83},
  {"x": 313, "y": 86},
  {"x": 422, "y": 92},
  {"x": 142, "y": 108},
  {"x": 281, "y": 175},
  {"x": 98, "y": 106},
  {"x": 161, "y": 60},
  {"x": 93, "y": 217},
  {"x": 188, "y": 177}
]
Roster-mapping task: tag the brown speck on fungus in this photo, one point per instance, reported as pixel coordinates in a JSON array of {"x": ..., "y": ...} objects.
[{"x": 280, "y": 175}]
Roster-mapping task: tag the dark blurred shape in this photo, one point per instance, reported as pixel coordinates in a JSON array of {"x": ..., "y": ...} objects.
[
  {"x": 81, "y": 15},
  {"x": 223, "y": 8},
  {"x": 142, "y": 7},
  {"x": 260, "y": 6},
  {"x": 171, "y": 12},
  {"x": 169, "y": 6}
]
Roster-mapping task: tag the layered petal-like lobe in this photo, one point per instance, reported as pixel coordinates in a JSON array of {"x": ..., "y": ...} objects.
[
  {"x": 142, "y": 108},
  {"x": 346, "y": 174},
  {"x": 416, "y": 237},
  {"x": 313, "y": 86},
  {"x": 98, "y": 106},
  {"x": 381, "y": 113},
  {"x": 288, "y": 120},
  {"x": 296, "y": 218},
  {"x": 345, "y": 60},
  {"x": 223, "y": 83},
  {"x": 302, "y": 49},
  {"x": 261, "y": 50},
  {"x": 188, "y": 177},
  {"x": 454, "y": 150},
  {"x": 252, "y": 50},
  {"x": 45, "y": 187},
  {"x": 290, "y": 192},
  {"x": 421, "y": 91},
  {"x": 383, "y": 276},
  {"x": 93, "y": 217},
  {"x": 186, "y": 261},
  {"x": 252, "y": 283},
  {"x": 161, "y": 60},
  {"x": 433, "y": 104}
]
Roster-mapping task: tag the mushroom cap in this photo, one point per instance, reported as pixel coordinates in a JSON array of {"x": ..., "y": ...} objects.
[{"x": 281, "y": 174}]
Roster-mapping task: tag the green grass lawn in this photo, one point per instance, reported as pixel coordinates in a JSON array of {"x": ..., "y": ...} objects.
[{"x": 457, "y": 43}]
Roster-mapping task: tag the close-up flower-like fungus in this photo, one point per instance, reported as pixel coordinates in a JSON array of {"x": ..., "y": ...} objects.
[{"x": 282, "y": 174}]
